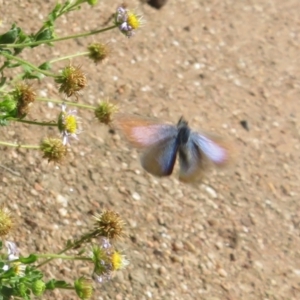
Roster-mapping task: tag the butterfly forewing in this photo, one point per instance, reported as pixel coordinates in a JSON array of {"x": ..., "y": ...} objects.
[
  {"x": 213, "y": 147},
  {"x": 143, "y": 132},
  {"x": 158, "y": 140}
]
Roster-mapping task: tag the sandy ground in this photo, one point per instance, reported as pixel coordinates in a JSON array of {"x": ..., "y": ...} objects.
[{"x": 235, "y": 235}]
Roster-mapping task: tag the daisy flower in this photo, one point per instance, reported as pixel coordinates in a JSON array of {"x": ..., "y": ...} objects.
[
  {"x": 67, "y": 124},
  {"x": 12, "y": 255},
  {"x": 127, "y": 21}
]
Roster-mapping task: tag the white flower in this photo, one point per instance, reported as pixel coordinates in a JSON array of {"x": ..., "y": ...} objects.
[
  {"x": 67, "y": 124},
  {"x": 101, "y": 278},
  {"x": 127, "y": 21},
  {"x": 12, "y": 251},
  {"x": 12, "y": 255}
]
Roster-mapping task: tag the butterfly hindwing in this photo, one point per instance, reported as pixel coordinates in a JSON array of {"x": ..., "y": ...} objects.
[
  {"x": 159, "y": 159},
  {"x": 198, "y": 153},
  {"x": 192, "y": 162}
]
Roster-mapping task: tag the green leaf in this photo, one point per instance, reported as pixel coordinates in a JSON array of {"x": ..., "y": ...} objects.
[
  {"x": 6, "y": 292},
  {"x": 28, "y": 260},
  {"x": 45, "y": 35},
  {"x": 21, "y": 289},
  {"x": 3, "y": 122},
  {"x": 45, "y": 66},
  {"x": 10, "y": 36},
  {"x": 30, "y": 74},
  {"x": 7, "y": 274},
  {"x": 33, "y": 273},
  {"x": 92, "y": 2},
  {"x": 13, "y": 65},
  {"x": 82, "y": 251},
  {"x": 52, "y": 284},
  {"x": 53, "y": 15},
  {"x": 7, "y": 105},
  {"x": 69, "y": 242},
  {"x": 22, "y": 39},
  {"x": 5, "y": 50}
]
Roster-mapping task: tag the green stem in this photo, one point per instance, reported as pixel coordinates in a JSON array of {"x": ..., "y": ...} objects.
[
  {"x": 24, "y": 62},
  {"x": 58, "y": 39},
  {"x": 66, "y": 9},
  {"x": 71, "y": 257},
  {"x": 66, "y": 287},
  {"x": 32, "y": 122},
  {"x": 66, "y": 102},
  {"x": 74, "y": 245},
  {"x": 68, "y": 57},
  {"x": 19, "y": 145}
]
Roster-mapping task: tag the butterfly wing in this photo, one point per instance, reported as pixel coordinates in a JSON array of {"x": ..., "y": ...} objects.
[
  {"x": 198, "y": 153},
  {"x": 158, "y": 140},
  {"x": 159, "y": 159},
  {"x": 143, "y": 132}
]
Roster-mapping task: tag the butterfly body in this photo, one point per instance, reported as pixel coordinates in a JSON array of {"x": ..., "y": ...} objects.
[{"x": 163, "y": 142}]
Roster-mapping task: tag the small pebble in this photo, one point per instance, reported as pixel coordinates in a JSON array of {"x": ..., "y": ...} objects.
[
  {"x": 62, "y": 200},
  {"x": 212, "y": 193},
  {"x": 245, "y": 124},
  {"x": 63, "y": 212},
  {"x": 219, "y": 245},
  {"x": 222, "y": 273},
  {"x": 136, "y": 196}
]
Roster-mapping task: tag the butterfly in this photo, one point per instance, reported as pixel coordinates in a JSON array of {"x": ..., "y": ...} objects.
[{"x": 162, "y": 143}]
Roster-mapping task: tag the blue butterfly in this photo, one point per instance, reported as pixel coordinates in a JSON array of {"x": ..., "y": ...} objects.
[{"x": 162, "y": 142}]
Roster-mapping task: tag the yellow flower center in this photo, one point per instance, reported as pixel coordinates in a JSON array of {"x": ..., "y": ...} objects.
[
  {"x": 117, "y": 261},
  {"x": 19, "y": 269},
  {"x": 133, "y": 20},
  {"x": 71, "y": 124}
]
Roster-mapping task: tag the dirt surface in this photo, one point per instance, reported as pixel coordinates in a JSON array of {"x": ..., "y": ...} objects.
[{"x": 235, "y": 235}]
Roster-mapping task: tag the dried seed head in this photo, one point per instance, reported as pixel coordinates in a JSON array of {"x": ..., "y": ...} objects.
[
  {"x": 98, "y": 52},
  {"x": 72, "y": 80},
  {"x": 24, "y": 97},
  {"x": 109, "y": 225},
  {"x": 6, "y": 221},
  {"x": 53, "y": 150},
  {"x": 104, "y": 112}
]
